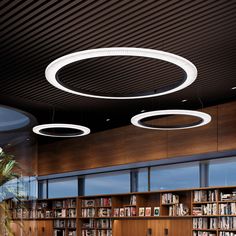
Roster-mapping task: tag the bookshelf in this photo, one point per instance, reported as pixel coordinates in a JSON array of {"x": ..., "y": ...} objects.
[
  {"x": 192, "y": 212},
  {"x": 62, "y": 214},
  {"x": 95, "y": 216}
]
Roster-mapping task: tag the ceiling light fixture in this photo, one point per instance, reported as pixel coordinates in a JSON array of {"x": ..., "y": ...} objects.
[
  {"x": 233, "y": 88},
  {"x": 204, "y": 119},
  {"x": 81, "y": 130},
  {"x": 52, "y": 69},
  {"x": 184, "y": 100}
]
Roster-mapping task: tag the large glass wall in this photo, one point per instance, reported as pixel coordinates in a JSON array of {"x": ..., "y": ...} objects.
[
  {"x": 63, "y": 187},
  {"x": 185, "y": 175},
  {"x": 113, "y": 182},
  {"x": 222, "y": 172},
  {"x": 218, "y": 172},
  {"x": 142, "y": 180}
]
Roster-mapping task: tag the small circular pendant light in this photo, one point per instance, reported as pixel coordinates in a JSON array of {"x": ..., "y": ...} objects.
[
  {"x": 52, "y": 69},
  {"x": 204, "y": 119},
  {"x": 45, "y": 130}
]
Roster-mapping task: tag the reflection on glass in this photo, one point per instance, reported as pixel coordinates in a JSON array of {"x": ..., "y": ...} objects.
[
  {"x": 115, "y": 182},
  {"x": 8, "y": 190},
  {"x": 222, "y": 172},
  {"x": 63, "y": 187},
  {"x": 184, "y": 175}
]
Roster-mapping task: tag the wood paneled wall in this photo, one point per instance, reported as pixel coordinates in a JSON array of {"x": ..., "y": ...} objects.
[
  {"x": 130, "y": 144},
  {"x": 175, "y": 227}
]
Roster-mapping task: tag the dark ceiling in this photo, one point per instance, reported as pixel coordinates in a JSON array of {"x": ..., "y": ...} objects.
[{"x": 34, "y": 33}]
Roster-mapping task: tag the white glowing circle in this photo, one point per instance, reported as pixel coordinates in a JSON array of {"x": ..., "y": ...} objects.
[
  {"x": 205, "y": 119},
  {"x": 39, "y": 128},
  {"x": 55, "y": 66}
]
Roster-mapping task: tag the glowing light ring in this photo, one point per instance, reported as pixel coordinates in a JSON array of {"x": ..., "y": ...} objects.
[
  {"x": 55, "y": 66},
  {"x": 137, "y": 120},
  {"x": 39, "y": 128}
]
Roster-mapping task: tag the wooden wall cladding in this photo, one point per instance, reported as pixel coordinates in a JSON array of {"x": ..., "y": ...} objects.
[
  {"x": 26, "y": 154},
  {"x": 113, "y": 147},
  {"x": 194, "y": 141},
  {"x": 130, "y": 144},
  {"x": 160, "y": 227},
  {"x": 227, "y": 126},
  {"x": 32, "y": 227}
]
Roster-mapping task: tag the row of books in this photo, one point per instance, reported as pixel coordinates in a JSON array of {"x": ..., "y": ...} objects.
[
  {"x": 178, "y": 210},
  {"x": 104, "y": 202},
  {"x": 104, "y": 233},
  {"x": 90, "y": 212},
  {"x": 169, "y": 198},
  {"x": 104, "y": 212},
  {"x": 124, "y": 211},
  {"x": 64, "y": 213},
  {"x": 227, "y": 222},
  {"x": 204, "y": 223},
  {"x": 32, "y": 213},
  {"x": 104, "y": 223},
  {"x": 88, "y": 224},
  {"x": 100, "y": 224},
  {"x": 227, "y": 208},
  {"x": 205, "y": 195},
  {"x": 72, "y": 233},
  {"x": 101, "y": 202},
  {"x": 222, "y": 233},
  {"x": 71, "y": 223},
  {"x": 205, "y": 209},
  {"x": 133, "y": 200},
  {"x": 203, "y": 233},
  {"x": 69, "y": 203},
  {"x": 88, "y": 203},
  {"x": 59, "y": 232},
  {"x": 228, "y": 196},
  {"x": 59, "y": 223},
  {"x": 62, "y": 223},
  {"x": 101, "y": 232}
]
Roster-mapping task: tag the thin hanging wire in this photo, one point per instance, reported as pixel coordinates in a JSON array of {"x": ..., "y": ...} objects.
[{"x": 53, "y": 114}]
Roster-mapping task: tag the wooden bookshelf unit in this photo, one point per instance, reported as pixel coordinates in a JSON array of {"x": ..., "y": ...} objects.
[{"x": 189, "y": 212}]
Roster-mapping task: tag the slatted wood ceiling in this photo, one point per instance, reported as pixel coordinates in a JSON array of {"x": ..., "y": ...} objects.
[{"x": 34, "y": 33}]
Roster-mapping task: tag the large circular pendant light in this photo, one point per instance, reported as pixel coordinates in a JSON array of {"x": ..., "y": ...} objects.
[
  {"x": 204, "y": 119},
  {"x": 52, "y": 69},
  {"x": 45, "y": 130}
]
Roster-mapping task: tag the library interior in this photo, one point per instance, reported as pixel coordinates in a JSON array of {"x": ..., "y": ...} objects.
[{"x": 118, "y": 118}]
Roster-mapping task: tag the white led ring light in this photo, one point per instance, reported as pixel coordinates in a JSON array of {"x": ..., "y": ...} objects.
[
  {"x": 137, "y": 120},
  {"x": 39, "y": 130},
  {"x": 55, "y": 66}
]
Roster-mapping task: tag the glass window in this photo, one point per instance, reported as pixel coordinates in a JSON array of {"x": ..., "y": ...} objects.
[
  {"x": 33, "y": 187},
  {"x": 176, "y": 176},
  {"x": 222, "y": 172},
  {"x": 113, "y": 182},
  {"x": 63, "y": 187},
  {"x": 142, "y": 180},
  {"x": 42, "y": 189},
  {"x": 23, "y": 187},
  {"x": 9, "y": 189}
]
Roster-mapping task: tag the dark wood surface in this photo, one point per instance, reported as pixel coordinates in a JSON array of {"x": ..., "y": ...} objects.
[{"x": 130, "y": 144}]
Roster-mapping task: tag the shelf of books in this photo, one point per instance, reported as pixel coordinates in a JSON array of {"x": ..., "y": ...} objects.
[
  {"x": 63, "y": 213},
  {"x": 95, "y": 216},
  {"x": 212, "y": 211}
]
